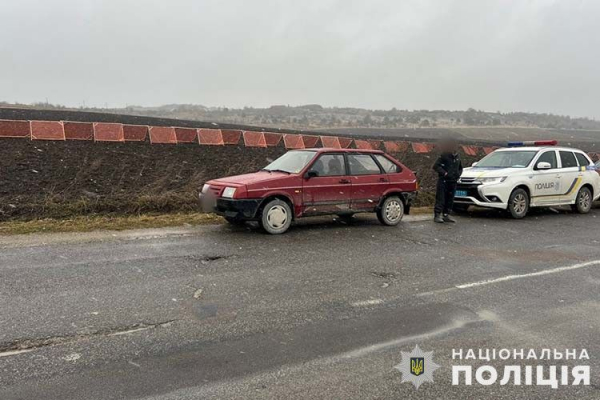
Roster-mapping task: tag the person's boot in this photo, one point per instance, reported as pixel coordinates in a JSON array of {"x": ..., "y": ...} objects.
[
  {"x": 448, "y": 218},
  {"x": 438, "y": 218}
]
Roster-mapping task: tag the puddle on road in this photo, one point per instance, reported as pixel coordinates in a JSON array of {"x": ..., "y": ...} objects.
[{"x": 203, "y": 311}]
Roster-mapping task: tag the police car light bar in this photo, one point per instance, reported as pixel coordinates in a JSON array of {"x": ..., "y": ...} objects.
[{"x": 533, "y": 143}]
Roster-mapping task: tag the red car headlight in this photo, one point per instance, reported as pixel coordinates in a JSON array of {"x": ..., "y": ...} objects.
[{"x": 228, "y": 192}]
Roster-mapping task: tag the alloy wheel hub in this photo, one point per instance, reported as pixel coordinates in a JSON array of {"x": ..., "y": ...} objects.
[
  {"x": 393, "y": 210},
  {"x": 277, "y": 217}
]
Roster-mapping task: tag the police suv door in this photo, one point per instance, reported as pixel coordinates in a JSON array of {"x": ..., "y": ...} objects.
[
  {"x": 571, "y": 176},
  {"x": 546, "y": 182}
]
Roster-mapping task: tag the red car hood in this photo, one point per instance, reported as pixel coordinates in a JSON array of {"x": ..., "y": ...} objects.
[{"x": 248, "y": 179}]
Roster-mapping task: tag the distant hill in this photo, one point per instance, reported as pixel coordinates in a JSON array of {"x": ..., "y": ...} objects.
[
  {"x": 314, "y": 116},
  {"x": 588, "y": 140},
  {"x": 470, "y": 125}
]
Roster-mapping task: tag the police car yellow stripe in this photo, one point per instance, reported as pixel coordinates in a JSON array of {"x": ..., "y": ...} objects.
[{"x": 574, "y": 186}]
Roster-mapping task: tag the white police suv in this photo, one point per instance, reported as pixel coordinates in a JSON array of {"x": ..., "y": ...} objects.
[{"x": 529, "y": 174}]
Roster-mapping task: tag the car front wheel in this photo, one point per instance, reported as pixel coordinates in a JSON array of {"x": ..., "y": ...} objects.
[
  {"x": 391, "y": 211},
  {"x": 276, "y": 217},
  {"x": 518, "y": 203},
  {"x": 583, "y": 202}
]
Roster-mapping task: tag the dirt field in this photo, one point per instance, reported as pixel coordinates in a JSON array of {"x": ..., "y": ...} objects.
[
  {"x": 58, "y": 179},
  {"x": 62, "y": 179}
]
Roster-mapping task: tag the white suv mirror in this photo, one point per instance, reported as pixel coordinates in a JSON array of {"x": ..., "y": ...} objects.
[
  {"x": 474, "y": 164},
  {"x": 543, "y": 165}
]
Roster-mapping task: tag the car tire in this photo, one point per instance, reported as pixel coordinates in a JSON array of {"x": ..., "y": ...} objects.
[
  {"x": 518, "y": 203},
  {"x": 235, "y": 221},
  {"x": 391, "y": 211},
  {"x": 583, "y": 201},
  {"x": 276, "y": 217},
  {"x": 460, "y": 208}
]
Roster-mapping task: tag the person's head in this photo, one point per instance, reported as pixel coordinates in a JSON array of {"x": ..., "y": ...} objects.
[{"x": 448, "y": 145}]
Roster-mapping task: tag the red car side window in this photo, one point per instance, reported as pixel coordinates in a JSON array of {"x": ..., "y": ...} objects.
[
  {"x": 330, "y": 165},
  {"x": 362, "y": 164},
  {"x": 388, "y": 166}
]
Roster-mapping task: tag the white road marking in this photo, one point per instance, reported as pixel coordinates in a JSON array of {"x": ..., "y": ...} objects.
[
  {"x": 363, "y": 351},
  {"x": 510, "y": 278},
  {"x": 365, "y": 303},
  {"x": 522, "y": 276},
  {"x": 141, "y": 328},
  {"x": 14, "y": 352},
  {"x": 72, "y": 357}
]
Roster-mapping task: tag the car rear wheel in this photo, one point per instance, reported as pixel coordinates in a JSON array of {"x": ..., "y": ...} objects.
[
  {"x": 583, "y": 202},
  {"x": 518, "y": 203},
  {"x": 391, "y": 211},
  {"x": 276, "y": 217}
]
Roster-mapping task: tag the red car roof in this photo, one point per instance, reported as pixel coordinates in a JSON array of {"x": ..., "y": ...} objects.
[{"x": 329, "y": 150}]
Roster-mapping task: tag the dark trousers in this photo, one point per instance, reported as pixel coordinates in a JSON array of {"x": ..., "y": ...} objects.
[{"x": 444, "y": 196}]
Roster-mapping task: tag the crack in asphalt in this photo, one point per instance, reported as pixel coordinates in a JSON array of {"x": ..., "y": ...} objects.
[
  {"x": 415, "y": 241},
  {"x": 383, "y": 275},
  {"x": 207, "y": 259},
  {"x": 25, "y": 345},
  {"x": 214, "y": 258}
]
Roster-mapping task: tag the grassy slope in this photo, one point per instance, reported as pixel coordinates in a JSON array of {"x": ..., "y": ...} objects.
[
  {"x": 103, "y": 222},
  {"x": 87, "y": 223}
]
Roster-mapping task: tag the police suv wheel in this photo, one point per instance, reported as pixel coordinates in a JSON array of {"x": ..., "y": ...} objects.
[
  {"x": 583, "y": 202},
  {"x": 391, "y": 211},
  {"x": 276, "y": 217},
  {"x": 518, "y": 203}
]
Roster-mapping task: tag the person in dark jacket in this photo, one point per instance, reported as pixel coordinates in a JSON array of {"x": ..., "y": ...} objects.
[{"x": 449, "y": 168}]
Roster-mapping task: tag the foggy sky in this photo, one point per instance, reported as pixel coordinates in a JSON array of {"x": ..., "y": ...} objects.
[{"x": 538, "y": 56}]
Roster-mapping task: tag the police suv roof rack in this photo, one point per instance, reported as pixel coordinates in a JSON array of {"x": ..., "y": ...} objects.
[{"x": 533, "y": 143}]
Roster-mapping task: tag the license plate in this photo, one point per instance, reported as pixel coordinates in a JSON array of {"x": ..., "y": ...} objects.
[{"x": 461, "y": 193}]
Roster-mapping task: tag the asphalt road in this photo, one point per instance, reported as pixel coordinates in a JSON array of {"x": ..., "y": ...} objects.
[{"x": 323, "y": 311}]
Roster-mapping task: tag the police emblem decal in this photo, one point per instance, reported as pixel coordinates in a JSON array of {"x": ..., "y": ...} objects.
[{"x": 417, "y": 366}]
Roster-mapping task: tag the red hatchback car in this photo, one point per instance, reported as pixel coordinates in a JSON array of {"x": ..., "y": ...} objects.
[{"x": 310, "y": 182}]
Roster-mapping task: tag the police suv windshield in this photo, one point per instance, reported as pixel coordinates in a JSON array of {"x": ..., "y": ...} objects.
[
  {"x": 507, "y": 159},
  {"x": 291, "y": 162}
]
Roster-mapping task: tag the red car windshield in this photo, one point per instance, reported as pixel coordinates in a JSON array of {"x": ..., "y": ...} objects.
[{"x": 292, "y": 162}]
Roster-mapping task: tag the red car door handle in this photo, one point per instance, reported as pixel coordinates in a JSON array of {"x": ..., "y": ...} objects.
[
  {"x": 344, "y": 181},
  {"x": 382, "y": 180}
]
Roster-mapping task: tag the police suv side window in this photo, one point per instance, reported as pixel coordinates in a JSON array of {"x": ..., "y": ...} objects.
[
  {"x": 388, "y": 166},
  {"x": 583, "y": 160},
  {"x": 549, "y": 157},
  {"x": 568, "y": 159}
]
